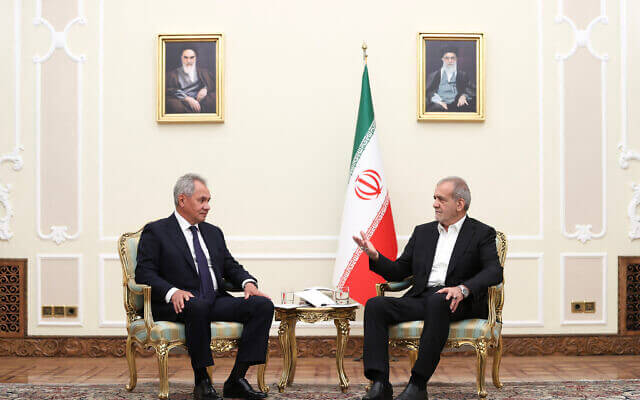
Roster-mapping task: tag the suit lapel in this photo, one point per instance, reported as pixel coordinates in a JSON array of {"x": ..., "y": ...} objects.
[
  {"x": 209, "y": 242},
  {"x": 181, "y": 242},
  {"x": 464, "y": 238}
]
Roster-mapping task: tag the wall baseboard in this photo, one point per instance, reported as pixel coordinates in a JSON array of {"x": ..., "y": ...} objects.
[{"x": 317, "y": 346}]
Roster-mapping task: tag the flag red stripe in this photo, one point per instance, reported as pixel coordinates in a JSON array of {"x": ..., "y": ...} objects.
[{"x": 361, "y": 281}]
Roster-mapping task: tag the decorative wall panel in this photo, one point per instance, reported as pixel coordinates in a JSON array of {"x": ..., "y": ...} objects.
[
  {"x": 629, "y": 295},
  {"x": 583, "y": 147},
  {"x": 58, "y": 126}
]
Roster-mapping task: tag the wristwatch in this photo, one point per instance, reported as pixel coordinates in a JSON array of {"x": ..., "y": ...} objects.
[{"x": 464, "y": 290}]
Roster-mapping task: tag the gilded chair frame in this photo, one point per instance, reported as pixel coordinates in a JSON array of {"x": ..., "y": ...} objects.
[
  {"x": 482, "y": 345},
  {"x": 131, "y": 292}
]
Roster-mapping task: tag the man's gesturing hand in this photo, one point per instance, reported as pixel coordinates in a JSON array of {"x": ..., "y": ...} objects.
[
  {"x": 251, "y": 290},
  {"x": 366, "y": 246},
  {"x": 178, "y": 299},
  {"x": 453, "y": 293}
]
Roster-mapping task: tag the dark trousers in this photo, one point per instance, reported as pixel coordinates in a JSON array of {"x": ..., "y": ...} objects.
[
  {"x": 255, "y": 313},
  {"x": 430, "y": 307}
]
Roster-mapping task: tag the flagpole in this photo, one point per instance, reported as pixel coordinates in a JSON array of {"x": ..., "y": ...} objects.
[{"x": 364, "y": 51}]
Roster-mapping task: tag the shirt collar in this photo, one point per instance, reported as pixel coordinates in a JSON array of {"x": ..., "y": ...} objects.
[
  {"x": 184, "y": 224},
  {"x": 455, "y": 227}
]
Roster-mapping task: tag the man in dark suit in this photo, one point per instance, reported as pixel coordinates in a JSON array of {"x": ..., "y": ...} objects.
[
  {"x": 449, "y": 88},
  {"x": 185, "y": 260},
  {"x": 453, "y": 261}
]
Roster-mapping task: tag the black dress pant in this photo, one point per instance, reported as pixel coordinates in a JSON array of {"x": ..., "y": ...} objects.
[
  {"x": 255, "y": 313},
  {"x": 430, "y": 307}
]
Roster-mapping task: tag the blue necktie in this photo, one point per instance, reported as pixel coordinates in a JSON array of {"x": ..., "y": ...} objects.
[{"x": 206, "y": 282}]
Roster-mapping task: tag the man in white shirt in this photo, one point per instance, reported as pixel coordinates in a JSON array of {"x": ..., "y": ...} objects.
[
  {"x": 186, "y": 262},
  {"x": 453, "y": 261}
]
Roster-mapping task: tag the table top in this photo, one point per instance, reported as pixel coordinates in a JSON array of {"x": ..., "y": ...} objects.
[{"x": 314, "y": 314}]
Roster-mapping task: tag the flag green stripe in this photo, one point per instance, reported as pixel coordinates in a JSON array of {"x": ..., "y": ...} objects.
[{"x": 365, "y": 120}]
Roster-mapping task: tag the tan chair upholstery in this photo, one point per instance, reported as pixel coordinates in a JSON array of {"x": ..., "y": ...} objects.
[
  {"x": 162, "y": 336},
  {"x": 481, "y": 334}
]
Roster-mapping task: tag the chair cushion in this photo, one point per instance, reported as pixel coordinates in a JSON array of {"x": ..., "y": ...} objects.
[
  {"x": 468, "y": 328},
  {"x": 171, "y": 331}
]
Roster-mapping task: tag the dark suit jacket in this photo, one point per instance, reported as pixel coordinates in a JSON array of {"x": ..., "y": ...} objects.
[
  {"x": 465, "y": 84},
  {"x": 165, "y": 261},
  {"x": 474, "y": 261}
]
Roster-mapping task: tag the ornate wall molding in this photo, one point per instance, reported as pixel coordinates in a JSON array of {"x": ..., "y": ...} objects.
[
  {"x": 634, "y": 218},
  {"x": 14, "y": 157},
  {"x": 102, "y": 306},
  {"x": 582, "y": 38},
  {"x": 58, "y": 233},
  {"x": 563, "y": 282},
  {"x": 308, "y": 346}
]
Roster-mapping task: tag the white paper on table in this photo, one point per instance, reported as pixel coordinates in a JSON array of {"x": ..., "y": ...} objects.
[
  {"x": 287, "y": 305},
  {"x": 316, "y": 298}
]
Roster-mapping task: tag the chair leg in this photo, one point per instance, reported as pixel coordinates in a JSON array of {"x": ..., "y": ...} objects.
[
  {"x": 481, "y": 353},
  {"x": 162, "y": 354},
  {"x": 130, "y": 352},
  {"x": 497, "y": 358},
  {"x": 413, "y": 356},
  {"x": 261, "y": 368}
]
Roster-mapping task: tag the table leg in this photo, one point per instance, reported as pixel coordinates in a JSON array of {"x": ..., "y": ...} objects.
[
  {"x": 285, "y": 346},
  {"x": 342, "y": 326},
  {"x": 294, "y": 350}
]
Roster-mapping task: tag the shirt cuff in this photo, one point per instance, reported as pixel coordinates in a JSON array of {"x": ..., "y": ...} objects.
[
  {"x": 244, "y": 283},
  {"x": 170, "y": 293}
]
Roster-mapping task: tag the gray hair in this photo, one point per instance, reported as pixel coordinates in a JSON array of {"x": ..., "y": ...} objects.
[
  {"x": 185, "y": 185},
  {"x": 460, "y": 189}
]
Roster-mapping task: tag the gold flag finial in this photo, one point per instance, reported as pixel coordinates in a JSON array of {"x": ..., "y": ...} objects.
[{"x": 364, "y": 51}]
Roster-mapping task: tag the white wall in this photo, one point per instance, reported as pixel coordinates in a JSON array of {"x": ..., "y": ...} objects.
[{"x": 544, "y": 161}]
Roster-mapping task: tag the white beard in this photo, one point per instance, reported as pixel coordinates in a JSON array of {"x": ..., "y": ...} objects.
[
  {"x": 190, "y": 70},
  {"x": 450, "y": 69}
]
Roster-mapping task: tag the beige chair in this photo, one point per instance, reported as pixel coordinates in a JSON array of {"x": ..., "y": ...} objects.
[
  {"x": 481, "y": 334},
  {"x": 162, "y": 336}
]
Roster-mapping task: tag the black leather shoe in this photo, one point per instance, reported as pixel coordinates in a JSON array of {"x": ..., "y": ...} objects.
[
  {"x": 379, "y": 391},
  {"x": 241, "y": 389},
  {"x": 412, "y": 392},
  {"x": 205, "y": 391}
]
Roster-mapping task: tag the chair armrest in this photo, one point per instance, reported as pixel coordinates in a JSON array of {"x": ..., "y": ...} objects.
[
  {"x": 381, "y": 288},
  {"x": 145, "y": 291},
  {"x": 495, "y": 304},
  {"x": 136, "y": 288},
  {"x": 148, "y": 315}
]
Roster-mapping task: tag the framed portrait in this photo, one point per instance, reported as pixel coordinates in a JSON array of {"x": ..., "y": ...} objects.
[
  {"x": 190, "y": 78},
  {"x": 451, "y": 76}
]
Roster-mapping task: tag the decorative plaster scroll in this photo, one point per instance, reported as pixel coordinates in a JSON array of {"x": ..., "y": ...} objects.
[
  {"x": 626, "y": 154},
  {"x": 634, "y": 218},
  {"x": 582, "y": 38},
  {"x": 58, "y": 233},
  {"x": 14, "y": 156}
]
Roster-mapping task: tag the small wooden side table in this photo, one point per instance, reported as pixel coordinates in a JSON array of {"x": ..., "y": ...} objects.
[{"x": 288, "y": 317}]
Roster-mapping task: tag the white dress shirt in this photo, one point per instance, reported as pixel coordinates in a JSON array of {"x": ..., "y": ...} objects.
[
  {"x": 184, "y": 227},
  {"x": 444, "y": 249}
]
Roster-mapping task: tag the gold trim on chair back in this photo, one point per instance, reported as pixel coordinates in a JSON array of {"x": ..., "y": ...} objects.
[{"x": 133, "y": 303}]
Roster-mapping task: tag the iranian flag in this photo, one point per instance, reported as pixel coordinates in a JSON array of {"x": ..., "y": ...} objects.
[{"x": 366, "y": 207}]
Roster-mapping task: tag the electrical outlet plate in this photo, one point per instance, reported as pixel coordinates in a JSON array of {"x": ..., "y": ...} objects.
[
  {"x": 47, "y": 311},
  {"x": 70, "y": 311},
  {"x": 577, "y": 307},
  {"x": 58, "y": 311},
  {"x": 590, "y": 307}
]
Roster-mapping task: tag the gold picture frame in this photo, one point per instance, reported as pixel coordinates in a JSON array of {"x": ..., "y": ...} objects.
[
  {"x": 460, "y": 57},
  {"x": 190, "y": 78}
]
